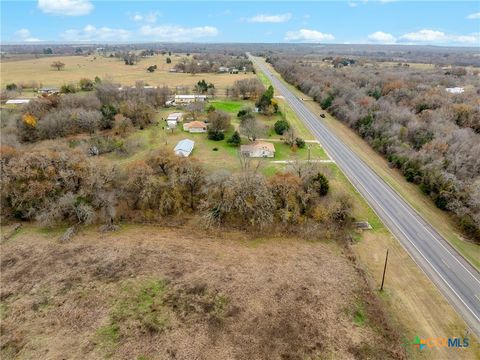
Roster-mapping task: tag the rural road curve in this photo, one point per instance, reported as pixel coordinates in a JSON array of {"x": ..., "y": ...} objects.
[{"x": 451, "y": 273}]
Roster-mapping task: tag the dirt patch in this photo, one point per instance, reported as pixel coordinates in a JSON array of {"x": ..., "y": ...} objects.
[{"x": 181, "y": 294}]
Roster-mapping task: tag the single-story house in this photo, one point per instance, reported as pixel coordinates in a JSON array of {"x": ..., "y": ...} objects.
[
  {"x": 223, "y": 69},
  {"x": 18, "y": 101},
  {"x": 455, "y": 90},
  {"x": 169, "y": 103},
  {"x": 187, "y": 99},
  {"x": 48, "y": 90},
  {"x": 184, "y": 147},
  {"x": 195, "y": 127},
  {"x": 233, "y": 71},
  {"x": 173, "y": 119},
  {"x": 258, "y": 149}
]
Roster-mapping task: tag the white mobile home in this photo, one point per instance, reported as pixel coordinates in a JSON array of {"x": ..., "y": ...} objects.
[{"x": 187, "y": 99}]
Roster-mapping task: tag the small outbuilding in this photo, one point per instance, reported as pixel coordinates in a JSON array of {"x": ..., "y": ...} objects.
[
  {"x": 17, "y": 101},
  {"x": 455, "y": 90},
  {"x": 184, "y": 147},
  {"x": 173, "y": 119},
  {"x": 48, "y": 90},
  {"x": 195, "y": 127},
  {"x": 258, "y": 149}
]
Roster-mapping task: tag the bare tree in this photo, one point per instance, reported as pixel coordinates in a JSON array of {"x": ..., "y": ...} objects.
[{"x": 57, "y": 65}]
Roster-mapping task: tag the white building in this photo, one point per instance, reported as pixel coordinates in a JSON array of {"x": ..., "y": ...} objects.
[
  {"x": 48, "y": 90},
  {"x": 184, "y": 147},
  {"x": 455, "y": 90},
  {"x": 258, "y": 149},
  {"x": 18, "y": 101},
  {"x": 173, "y": 119},
  {"x": 187, "y": 99}
]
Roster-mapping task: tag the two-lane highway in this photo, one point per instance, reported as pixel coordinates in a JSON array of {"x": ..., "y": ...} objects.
[{"x": 454, "y": 276}]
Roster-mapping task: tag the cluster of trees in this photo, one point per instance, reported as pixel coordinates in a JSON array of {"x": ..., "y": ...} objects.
[
  {"x": 432, "y": 136},
  {"x": 246, "y": 89},
  {"x": 202, "y": 87},
  {"x": 106, "y": 108},
  {"x": 66, "y": 186},
  {"x": 267, "y": 104},
  {"x": 211, "y": 63},
  {"x": 218, "y": 123},
  {"x": 130, "y": 58},
  {"x": 250, "y": 126}
]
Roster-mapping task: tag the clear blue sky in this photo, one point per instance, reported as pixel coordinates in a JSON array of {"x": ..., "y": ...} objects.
[{"x": 387, "y": 21}]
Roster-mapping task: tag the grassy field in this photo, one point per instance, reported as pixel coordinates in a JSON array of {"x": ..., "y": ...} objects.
[
  {"x": 148, "y": 292},
  {"x": 77, "y": 67},
  {"x": 413, "y": 301}
]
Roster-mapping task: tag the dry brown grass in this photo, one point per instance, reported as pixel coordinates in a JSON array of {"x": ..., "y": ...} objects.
[
  {"x": 77, "y": 67},
  {"x": 226, "y": 296}
]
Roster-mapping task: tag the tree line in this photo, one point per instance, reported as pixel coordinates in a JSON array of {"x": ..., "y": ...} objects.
[
  {"x": 107, "y": 107},
  {"x": 66, "y": 186},
  {"x": 406, "y": 114}
]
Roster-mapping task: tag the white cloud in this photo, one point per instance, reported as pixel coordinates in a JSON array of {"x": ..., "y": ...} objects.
[
  {"x": 382, "y": 37},
  {"x": 466, "y": 39},
  {"x": 262, "y": 18},
  {"x": 434, "y": 36},
  {"x": 91, "y": 33},
  {"x": 150, "y": 17},
  {"x": 474, "y": 16},
  {"x": 306, "y": 35},
  {"x": 65, "y": 7},
  {"x": 352, "y": 4},
  {"x": 177, "y": 33},
  {"x": 424, "y": 35},
  {"x": 25, "y": 35}
]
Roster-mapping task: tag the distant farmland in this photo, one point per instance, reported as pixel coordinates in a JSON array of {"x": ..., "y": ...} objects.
[{"x": 77, "y": 67}]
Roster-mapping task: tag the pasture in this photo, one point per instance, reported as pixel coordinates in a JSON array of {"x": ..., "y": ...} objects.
[{"x": 77, "y": 67}]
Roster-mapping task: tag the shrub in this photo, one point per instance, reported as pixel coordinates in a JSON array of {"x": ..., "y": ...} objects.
[
  {"x": 281, "y": 126},
  {"x": 108, "y": 119},
  {"x": 68, "y": 89},
  {"x": 300, "y": 143},
  {"x": 11, "y": 87},
  {"x": 327, "y": 102},
  {"x": 320, "y": 184},
  {"x": 152, "y": 68},
  {"x": 215, "y": 135},
  {"x": 235, "y": 139},
  {"x": 86, "y": 84}
]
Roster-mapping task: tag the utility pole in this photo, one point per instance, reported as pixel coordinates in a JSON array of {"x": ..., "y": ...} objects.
[
  {"x": 308, "y": 147},
  {"x": 384, "y": 270}
]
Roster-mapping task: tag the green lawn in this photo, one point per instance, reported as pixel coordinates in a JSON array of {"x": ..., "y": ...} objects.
[{"x": 233, "y": 106}]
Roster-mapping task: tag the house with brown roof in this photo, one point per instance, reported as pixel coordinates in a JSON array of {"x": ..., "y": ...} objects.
[
  {"x": 195, "y": 127},
  {"x": 258, "y": 149}
]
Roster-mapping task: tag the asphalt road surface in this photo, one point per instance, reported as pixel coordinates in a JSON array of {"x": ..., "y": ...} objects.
[{"x": 453, "y": 275}]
